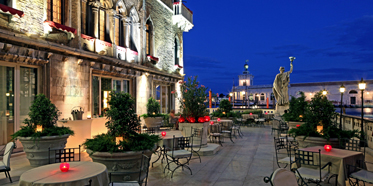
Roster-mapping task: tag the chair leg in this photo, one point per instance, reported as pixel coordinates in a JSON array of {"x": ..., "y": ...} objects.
[
  {"x": 6, "y": 175},
  {"x": 10, "y": 179}
]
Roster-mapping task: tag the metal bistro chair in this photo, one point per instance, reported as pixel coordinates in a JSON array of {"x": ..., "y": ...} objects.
[
  {"x": 227, "y": 129},
  {"x": 197, "y": 133},
  {"x": 215, "y": 134},
  {"x": 280, "y": 143},
  {"x": 312, "y": 171},
  {"x": 151, "y": 130},
  {"x": 143, "y": 174},
  {"x": 236, "y": 127},
  {"x": 5, "y": 163},
  {"x": 67, "y": 155},
  {"x": 283, "y": 177},
  {"x": 179, "y": 151}
]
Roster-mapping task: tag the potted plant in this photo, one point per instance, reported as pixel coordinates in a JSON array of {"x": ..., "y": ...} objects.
[
  {"x": 41, "y": 132},
  {"x": 319, "y": 128},
  {"x": 225, "y": 111},
  {"x": 193, "y": 109},
  {"x": 153, "y": 118},
  {"x": 295, "y": 114},
  {"x": 120, "y": 149}
]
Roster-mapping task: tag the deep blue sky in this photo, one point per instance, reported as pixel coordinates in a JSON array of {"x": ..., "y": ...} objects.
[{"x": 332, "y": 40}]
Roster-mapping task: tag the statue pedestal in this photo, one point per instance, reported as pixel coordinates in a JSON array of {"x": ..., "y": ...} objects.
[{"x": 280, "y": 109}]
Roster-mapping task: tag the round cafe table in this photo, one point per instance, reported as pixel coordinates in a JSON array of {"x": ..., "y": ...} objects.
[{"x": 79, "y": 174}]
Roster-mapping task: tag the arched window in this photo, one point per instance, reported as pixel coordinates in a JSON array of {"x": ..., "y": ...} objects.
[
  {"x": 87, "y": 19},
  {"x": 177, "y": 52},
  {"x": 262, "y": 96},
  {"x": 352, "y": 92},
  {"x": 149, "y": 37},
  {"x": 135, "y": 31},
  {"x": 56, "y": 11}
]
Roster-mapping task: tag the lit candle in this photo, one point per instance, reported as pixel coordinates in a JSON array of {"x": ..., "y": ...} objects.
[
  {"x": 328, "y": 148},
  {"x": 163, "y": 133},
  {"x": 251, "y": 113},
  {"x": 89, "y": 117},
  {"x": 211, "y": 122},
  {"x": 7, "y": 113},
  {"x": 298, "y": 126},
  {"x": 224, "y": 113},
  {"x": 39, "y": 128},
  {"x": 218, "y": 119},
  {"x": 64, "y": 167}
]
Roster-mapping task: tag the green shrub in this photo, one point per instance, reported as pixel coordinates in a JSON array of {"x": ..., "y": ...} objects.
[
  {"x": 123, "y": 122},
  {"x": 297, "y": 108},
  {"x": 254, "y": 111},
  {"x": 320, "y": 111},
  {"x": 225, "y": 105},
  {"x": 42, "y": 112},
  {"x": 153, "y": 107}
]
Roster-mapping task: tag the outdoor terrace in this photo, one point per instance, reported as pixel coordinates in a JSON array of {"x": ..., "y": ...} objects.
[{"x": 244, "y": 162}]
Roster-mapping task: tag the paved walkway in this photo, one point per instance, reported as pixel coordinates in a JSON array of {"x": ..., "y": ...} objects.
[{"x": 244, "y": 162}]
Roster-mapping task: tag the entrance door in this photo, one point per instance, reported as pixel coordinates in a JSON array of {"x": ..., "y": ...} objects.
[
  {"x": 163, "y": 96},
  {"x": 6, "y": 104}
]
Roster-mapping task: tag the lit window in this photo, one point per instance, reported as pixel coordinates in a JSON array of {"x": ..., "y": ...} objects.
[{"x": 55, "y": 10}]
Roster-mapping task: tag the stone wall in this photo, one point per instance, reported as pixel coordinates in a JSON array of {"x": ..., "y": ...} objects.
[{"x": 69, "y": 85}]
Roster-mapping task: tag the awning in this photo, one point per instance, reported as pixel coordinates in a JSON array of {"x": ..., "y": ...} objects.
[
  {"x": 153, "y": 58},
  {"x": 178, "y": 66},
  {"x": 60, "y": 27},
  {"x": 10, "y": 10}
]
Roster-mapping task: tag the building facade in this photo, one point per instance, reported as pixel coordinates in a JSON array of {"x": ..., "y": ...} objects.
[
  {"x": 248, "y": 94},
  {"x": 77, "y": 51}
]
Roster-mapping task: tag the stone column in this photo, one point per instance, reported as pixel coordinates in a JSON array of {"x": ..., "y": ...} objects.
[
  {"x": 126, "y": 31},
  {"x": 111, "y": 13},
  {"x": 95, "y": 9}
]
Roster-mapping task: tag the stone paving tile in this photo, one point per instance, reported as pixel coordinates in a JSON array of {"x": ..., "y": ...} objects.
[{"x": 244, "y": 162}]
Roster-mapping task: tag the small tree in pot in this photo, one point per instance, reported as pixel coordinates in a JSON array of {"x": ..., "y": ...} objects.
[
  {"x": 41, "y": 132},
  {"x": 153, "y": 118},
  {"x": 225, "y": 110},
  {"x": 297, "y": 108},
  {"x": 120, "y": 149},
  {"x": 193, "y": 110}
]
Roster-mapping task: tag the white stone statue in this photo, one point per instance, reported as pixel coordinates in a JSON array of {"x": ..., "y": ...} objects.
[{"x": 281, "y": 83}]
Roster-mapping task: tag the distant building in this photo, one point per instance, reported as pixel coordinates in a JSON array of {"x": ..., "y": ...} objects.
[{"x": 246, "y": 93}]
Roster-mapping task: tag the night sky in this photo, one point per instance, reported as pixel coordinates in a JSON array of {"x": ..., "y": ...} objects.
[{"x": 331, "y": 40}]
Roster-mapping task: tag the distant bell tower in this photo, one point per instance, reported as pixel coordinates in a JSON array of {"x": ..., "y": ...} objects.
[{"x": 245, "y": 79}]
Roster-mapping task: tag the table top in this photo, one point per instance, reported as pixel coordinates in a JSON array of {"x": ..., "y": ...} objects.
[
  {"x": 170, "y": 134},
  {"x": 51, "y": 174},
  {"x": 223, "y": 120},
  {"x": 341, "y": 153}
]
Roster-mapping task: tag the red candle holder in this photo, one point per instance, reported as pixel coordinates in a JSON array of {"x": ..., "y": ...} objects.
[
  {"x": 251, "y": 113},
  {"x": 163, "y": 133},
  {"x": 207, "y": 118},
  {"x": 64, "y": 167},
  {"x": 328, "y": 148},
  {"x": 298, "y": 126},
  {"x": 218, "y": 119},
  {"x": 211, "y": 122}
]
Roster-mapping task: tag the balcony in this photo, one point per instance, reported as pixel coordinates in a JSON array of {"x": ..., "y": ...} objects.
[{"x": 183, "y": 17}]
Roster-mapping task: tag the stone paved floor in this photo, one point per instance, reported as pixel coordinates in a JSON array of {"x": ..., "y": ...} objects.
[{"x": 244, "y": 162}]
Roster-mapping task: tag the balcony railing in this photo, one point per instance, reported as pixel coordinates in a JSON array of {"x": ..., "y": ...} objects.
[{"x": 183, "y": 16}]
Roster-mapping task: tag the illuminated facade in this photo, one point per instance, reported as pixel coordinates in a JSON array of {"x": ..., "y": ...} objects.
[
  {"x": 250, "y": 94},
  {"x": 77, "y": 51}
]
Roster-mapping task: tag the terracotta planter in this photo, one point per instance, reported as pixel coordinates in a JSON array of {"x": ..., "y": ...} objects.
[
  {"x": 153, "y": 121},
  {"x": 316, "y": 141},
  {"x": 293, "y": 124},
  {"x": 37, "y": 149},
  {"x": 126, "y": 162},
  {"x": 185, "y": 129}
]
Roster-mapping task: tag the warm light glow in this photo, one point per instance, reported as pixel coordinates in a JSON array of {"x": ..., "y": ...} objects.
[
  {"x": 298, "y": 126},
  {"x": 362, "y": 84},
  {"x": 7, "y": 94},
  {"x": 118, "y": 140},
  {"x": 301, "y": 116},
  {"x": 163, "y": 133},
  {"x": 319, "y": 129},
  {"x": 39, "y": 128},
  {"x": 64, "y": 167},
  {"x": 231, "y": 94},
  {"x": 251, "y": 113},
  {"x": 224, "y": 113},
  {"x": 153, "y": 113},
  {"x": 342, "y": 89},
  {"x": 106, "y": 96},
  {"x": 7, "y": 113},
  {"x": 218, "y": 119},
  {"x": 324, "y": 92},
  {"x": 89, "y": 116},
  {"x": 243, "y": 92},
  {"x": 291, "y": 58},
  {"x": 367, "y": 92},
  {"x": 310, "y": 94},
  {"x": 211, "y": 122},
  {"x": 328, "y": 148}
]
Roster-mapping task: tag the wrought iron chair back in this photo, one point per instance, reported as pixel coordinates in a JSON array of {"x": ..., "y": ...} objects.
[
  {"x": 151, "y": 130},
  {"x": 64, "y": 155},
  {"x": 215, "y": 132},
  {"x": 8, "y": 149},
  {"x": 197, "y": 133},
  {"x": 307, "y": 157},
  {"x": 143, "y": 171}
]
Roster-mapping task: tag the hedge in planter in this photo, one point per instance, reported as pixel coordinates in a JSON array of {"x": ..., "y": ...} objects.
[
  {"x": 319, "y": 114},
  {"x": 36, "y": 143},
  {"x": 297, "y": 108},
  {"x": 153, "y": 117}
]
